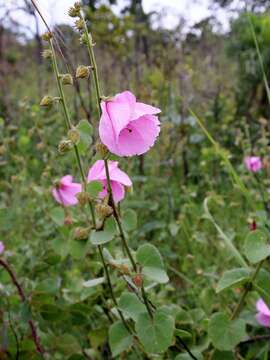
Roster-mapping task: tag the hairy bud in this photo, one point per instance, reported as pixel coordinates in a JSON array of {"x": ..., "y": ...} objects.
[
  {"x": 74, "y": 135},
  {"x": 82, "y": 72},
  {"x": 68, "y": 220},
  {"x": 47, "y": 36},
  {"x": 104, "y": 210},
  {"x": 81, "y": 233},
  {"x": 74, "y": 11},
  {"x": 67, "y": 79},
  {"x": 79, "y": 24},
  {"x": 47, "y": 100},
  {"x": 83, "y": 198},
  {"x": 102, "y": 150},
  {"x": 64, "y": 146},
  {"x": 47, "y": 54}
]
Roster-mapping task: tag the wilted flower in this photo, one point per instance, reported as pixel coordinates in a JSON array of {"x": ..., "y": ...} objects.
[
  {"x": 253, "y": 163},
  {"x": 67, "y": 79},
  {"x": 2, "y": 247},
  {"x": 65, "y": 192},
  {"x": 263, "y": 315},
  {"x": 128, "y": 127},
  {"x": 118, "y": 179},
  {"x": 47, "y": 100}
]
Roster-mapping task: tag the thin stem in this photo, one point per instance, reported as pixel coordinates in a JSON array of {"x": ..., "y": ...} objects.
[
  {"x": 21, "y": 293},
  {"x": 111, "y": 289},
  {"x": 248, "y": 288},
  {"x": 69, "y": 126}
]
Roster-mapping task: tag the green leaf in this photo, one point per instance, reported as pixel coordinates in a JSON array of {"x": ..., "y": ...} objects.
[
  {"x": 186, "y": 356},
  {"x": 224, "y": 333},
  {"x": 119, "y": 338},
  {"x": 105, "y": 235},
  {"x": 51, "y": 312},
  {"x": 58, "y": 215},
  {"x": 67, "y": 344},
  {"x": 223, "y": 355},
  {"x": 130, "y": 220},
  {"x": 256, "y": 247},
  {"x": 262, "y": 285},
  {"x": 232, "y": 278},
  {"x": 94, "y": 188},
  {"x": 50, "y": 286},
  {"x": 155, "y": 334},
  {"x": 152, "y": 264},
  {"x": 131, "y": 305},
  {"x": 86, "y": 131},
  {"x": 183, "y": 334}
]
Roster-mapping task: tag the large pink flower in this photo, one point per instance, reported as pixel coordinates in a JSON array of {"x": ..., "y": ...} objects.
[
  {"x": 118, "y": 179},
  {"x": 128, "y": 127},
  {"x": 65, "y": 193},
  {"x": 263, "y": 315},
  {"x": 253, "y": 163}
]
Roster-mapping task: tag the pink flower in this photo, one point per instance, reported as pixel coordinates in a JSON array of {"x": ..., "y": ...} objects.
[
  {"x": 128, "y": 127},
  {"x": 65, "y": 193},
  {"x": 253, "y": 163},
  {"x": 263, "y": 315},
  {"x": 118, "y": 179},
  {"x": 2, "y": 247}
]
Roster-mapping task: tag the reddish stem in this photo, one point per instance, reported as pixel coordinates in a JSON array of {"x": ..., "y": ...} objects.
[{"x": 32, "y": 326}]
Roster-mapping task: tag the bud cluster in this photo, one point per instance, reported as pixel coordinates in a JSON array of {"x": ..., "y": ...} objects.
[{"x": 75, "y": 10}]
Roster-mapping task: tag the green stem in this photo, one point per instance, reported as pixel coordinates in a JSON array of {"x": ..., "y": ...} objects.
[
  {"x": 90, "y": 44},
  {"x": 69, "y": 126},
  {"x": 248, "y": 288}
]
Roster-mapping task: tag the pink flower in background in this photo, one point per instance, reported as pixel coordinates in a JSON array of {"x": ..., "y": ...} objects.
[
  {"x": 65, "y": 193},
  {"x": 2, "y": 247},
  {"x": 253, "y": 163},
  {"x": 118, "y": 178},
  {"x": 128, "y": 127},
  {"x": 263, "y": 315}
]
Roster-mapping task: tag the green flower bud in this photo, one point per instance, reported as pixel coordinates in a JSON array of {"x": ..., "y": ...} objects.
[
  {"x": 83, "y": 198},
  {"x": 74, "y": 135},
  {"x": 82, "y": 72},
  {"x": 47, "y": 100},
  {"x": 79, "y": 24},
  {"x": 47, "y": 54},
  {"x": 102, "y": 150},
  {"x": 47, "y": 36},
  {"x": 81, "y": 233},
  {"x": 64, "y": 146},
  {"x": 103, "y": 210},
  {"x": 67, "y": 79}
]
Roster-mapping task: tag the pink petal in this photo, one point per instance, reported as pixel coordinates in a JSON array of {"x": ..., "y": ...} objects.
[
  {"x": 98, "y": 172},
  {"x": 2, "y": 247},
  {"x": 139, "y": 136},
  {"x": 120, "y": 176},
  {"x": 142, "y": 109},
  {"x": 107, "y": 132},
  {"x": 263, "y": 319},
  {"x": 253, "y": 163},
  {"x": 67, "y": 179},
  {"x": 118, "y": 191},
  {"x": 120, "y": 110},
  {"x": 262, "y": 307}
]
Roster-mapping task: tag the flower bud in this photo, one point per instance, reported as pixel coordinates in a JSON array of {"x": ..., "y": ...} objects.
[
  {"x": 81, "y": 233},
  {"x": 138, "y": 280},
  {"x": 47, "y": 100},
  {"x": 46, "y": 36},
  {"x": 47, "y": 54},
  {"x": 83, "y": 198},
  {"x": 103, "y": 210},
  {"x": 64, "y": 146},
  {"x": 74, "y": 135},
  {"x": 82, "y": 72},
  {"x": 68, "y": 220},
  {"x": 102, "y": 150},
  {"x": 79, "y": 24},
  {"x": 67, "y": 79},
  {"x": 74, "y": 11}
]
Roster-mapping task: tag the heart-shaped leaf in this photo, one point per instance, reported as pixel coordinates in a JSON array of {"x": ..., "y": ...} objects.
[
  {"x": 256, "y": 247},
  {"x": 119, "y": 338},
  {"x": 231, "y": 278}
]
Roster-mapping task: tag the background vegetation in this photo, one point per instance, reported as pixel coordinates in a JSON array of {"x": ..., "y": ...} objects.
[{"x": 218, "y": 75}]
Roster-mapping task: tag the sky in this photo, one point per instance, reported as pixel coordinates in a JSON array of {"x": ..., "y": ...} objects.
[{"x": 192, "y": 10}]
